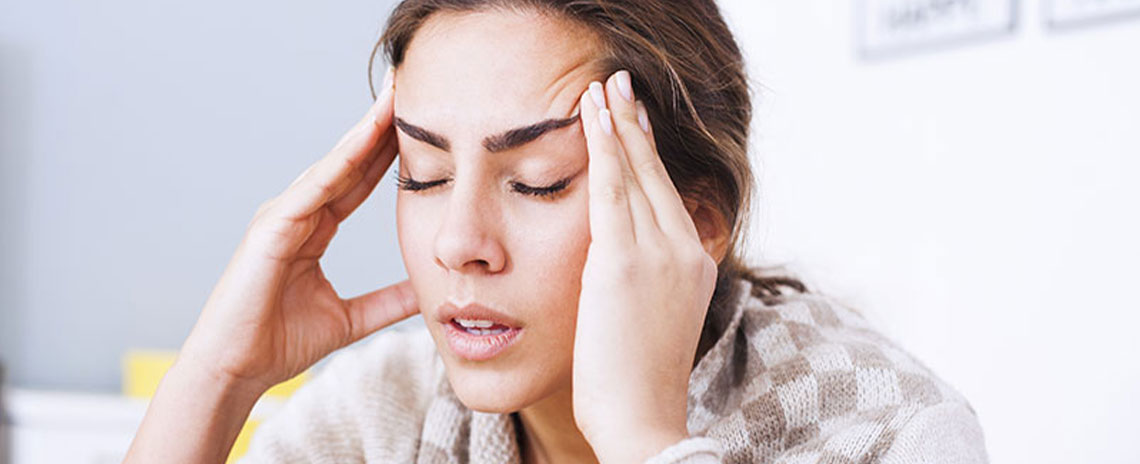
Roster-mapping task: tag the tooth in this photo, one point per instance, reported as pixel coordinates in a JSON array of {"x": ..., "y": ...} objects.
[
  {"x": 485, "y": 331},
  {"x": 475, "y": 323}
]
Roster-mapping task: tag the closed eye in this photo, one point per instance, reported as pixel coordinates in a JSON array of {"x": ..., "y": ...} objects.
[
  {"x": 545, "y": 192},
  {"x": 412, "y": 185}
]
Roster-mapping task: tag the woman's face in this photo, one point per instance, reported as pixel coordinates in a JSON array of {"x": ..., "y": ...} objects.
[{"x": 493, "y": 221}]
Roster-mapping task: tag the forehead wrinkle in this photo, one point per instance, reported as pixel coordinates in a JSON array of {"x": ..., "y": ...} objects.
[
  {"x": 556, "y": 91},
  {"x": 587, "y": 65}
]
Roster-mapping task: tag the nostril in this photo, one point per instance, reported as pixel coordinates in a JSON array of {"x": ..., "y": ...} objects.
[{"x": 466, "y": 248}]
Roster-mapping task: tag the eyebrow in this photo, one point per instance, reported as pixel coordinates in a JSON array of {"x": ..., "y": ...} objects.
[{"x": 496, "y": 143}]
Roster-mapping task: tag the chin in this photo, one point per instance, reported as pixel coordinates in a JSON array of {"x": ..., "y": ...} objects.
[
  {"x": 533, "y": 364},
  {"x": 499, "y": 388}
]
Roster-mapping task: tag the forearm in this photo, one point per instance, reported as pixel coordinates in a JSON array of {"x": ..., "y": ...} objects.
[{"x": 194, "y": 417}]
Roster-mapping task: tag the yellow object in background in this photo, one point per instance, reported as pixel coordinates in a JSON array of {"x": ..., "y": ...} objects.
[
  {"x": 143, "y": 371},
  {"x": 285, "y": 389},
  {"x": 241, "y": 444}
]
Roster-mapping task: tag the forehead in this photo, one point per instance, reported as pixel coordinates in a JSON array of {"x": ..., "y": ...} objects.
[{"x": 472, "y": 73}]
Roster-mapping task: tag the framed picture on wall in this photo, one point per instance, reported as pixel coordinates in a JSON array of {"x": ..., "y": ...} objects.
[
  {"x": 891, "y": 27},
  {"x": 1060, "y": 14}
]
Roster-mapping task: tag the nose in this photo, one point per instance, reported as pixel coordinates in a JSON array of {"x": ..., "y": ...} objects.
[{"x": 468, "y": 240}]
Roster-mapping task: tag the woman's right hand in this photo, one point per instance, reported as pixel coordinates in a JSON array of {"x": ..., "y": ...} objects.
[{"x": 273, "y": 313}]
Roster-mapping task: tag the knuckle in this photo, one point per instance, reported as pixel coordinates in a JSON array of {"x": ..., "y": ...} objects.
[
  {"x": 264, "y": 207},
  {"x": 621, "y": 268},
  {"x": 264, "y": 210},
  {"x": 613, "y": 194},
  {"x": 664, "y": 267},
  {"x": 628, "y": 178},
  {"x": 696, "y": 257},
  {"x": 627, "y": 268},
  {"x": 353, "y": 169},
  {"x": 653, "y": 168},
  {"x": 625, "y": 116},
  {"x": 265, "y": 225},
  {"x": 324, "y": 189},
  {"x": 708, "y": 266}
]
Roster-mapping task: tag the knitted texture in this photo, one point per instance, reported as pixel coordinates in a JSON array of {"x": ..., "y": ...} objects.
[{"x": 791, "y": 379}]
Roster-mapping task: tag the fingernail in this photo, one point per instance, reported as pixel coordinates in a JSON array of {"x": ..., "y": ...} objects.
[
  {"x": 388, "y": 77},
  {"x": 598, "y": 93},
  {"x": 385, "y": 90},
  {"x": 386, "y": 87},
  {"x": 642, "y": 116},
  {"x": 625, "y": 87},
  {"x": 606, "y": 122}
]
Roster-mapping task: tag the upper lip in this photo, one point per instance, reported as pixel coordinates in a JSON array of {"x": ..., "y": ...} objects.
[{"x": 448, "y": 311}]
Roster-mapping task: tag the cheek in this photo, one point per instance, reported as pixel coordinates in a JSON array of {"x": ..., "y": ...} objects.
[
  {"x": 416, "y": 223},
  {"x": 551, "y": 240},
  {"x": 549, "y": 246}
]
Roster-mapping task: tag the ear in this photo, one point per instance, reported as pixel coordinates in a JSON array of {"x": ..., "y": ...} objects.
[{"x": 711, "y": 227}]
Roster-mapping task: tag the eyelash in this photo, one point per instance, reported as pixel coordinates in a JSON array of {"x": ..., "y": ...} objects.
[{"x": 412, "y": 185}]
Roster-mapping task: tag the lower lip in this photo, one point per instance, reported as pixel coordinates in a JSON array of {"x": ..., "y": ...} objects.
[{"x": 474, "y": 347}]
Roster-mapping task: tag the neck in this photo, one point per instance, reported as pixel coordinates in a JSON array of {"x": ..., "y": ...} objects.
[{"x": 549, "y": 433}]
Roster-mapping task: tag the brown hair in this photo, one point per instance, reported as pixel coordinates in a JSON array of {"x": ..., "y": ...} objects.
[{"x": 688, "y": 70}]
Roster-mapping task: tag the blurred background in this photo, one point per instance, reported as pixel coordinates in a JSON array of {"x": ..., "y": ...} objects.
[{"x": 962, "y": 171}]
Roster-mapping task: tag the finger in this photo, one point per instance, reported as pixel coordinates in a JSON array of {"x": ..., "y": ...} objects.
[
  {"x": 345, "y": 205},
  {"x": 636, "y": 135},
  {"x": 381, "y": 308},
  {"x": 344, "y": 166},
  {"x": 610, "y": 219},
  {"x": 644, "y": 223},
  {"x": 324, "y": 227},
  {"x": 643, "y": 122},
  {"x": 379, "y": 115},
  {"x": 644, "y": 218}
]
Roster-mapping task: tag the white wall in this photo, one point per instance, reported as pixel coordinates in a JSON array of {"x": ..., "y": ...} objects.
[{"x": 979, "y": 203}]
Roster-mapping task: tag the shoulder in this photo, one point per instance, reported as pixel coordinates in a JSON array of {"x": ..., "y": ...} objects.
[
  {"x": 815, "y": 339},
  {"x": 368, "y": 401},
  {"x": 805, "y": 374}
]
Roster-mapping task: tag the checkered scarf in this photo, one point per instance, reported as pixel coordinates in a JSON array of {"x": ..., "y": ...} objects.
[{"x": 797, "y": 378}]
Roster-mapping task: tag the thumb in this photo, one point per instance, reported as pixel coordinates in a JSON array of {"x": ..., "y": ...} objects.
[{"x": 380, "y": 308}]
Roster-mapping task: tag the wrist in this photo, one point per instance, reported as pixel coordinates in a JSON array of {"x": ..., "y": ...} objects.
[
  {"x": 193, "y": 374},
  {"x": 635, "y": 444},
  {"x": 195, "y": 415}
]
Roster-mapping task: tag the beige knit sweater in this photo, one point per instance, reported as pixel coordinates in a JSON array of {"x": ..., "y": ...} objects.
[{"x": 791, "y": 379}]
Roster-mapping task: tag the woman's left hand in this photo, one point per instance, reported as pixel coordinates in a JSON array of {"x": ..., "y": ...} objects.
[{"x": 646, "y": 286}]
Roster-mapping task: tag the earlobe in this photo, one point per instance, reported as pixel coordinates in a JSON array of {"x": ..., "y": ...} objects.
[{"x": 711, "y": 227}]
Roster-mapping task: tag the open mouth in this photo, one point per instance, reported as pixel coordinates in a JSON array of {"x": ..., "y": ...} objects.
[
  {"x": 479, "y": 327},
  {"x": 479, "y": 340},
  {"x": 477, "y": 333}
]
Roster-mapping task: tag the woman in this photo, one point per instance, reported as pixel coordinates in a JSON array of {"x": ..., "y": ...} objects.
[{"x": 573, "y": 179}]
